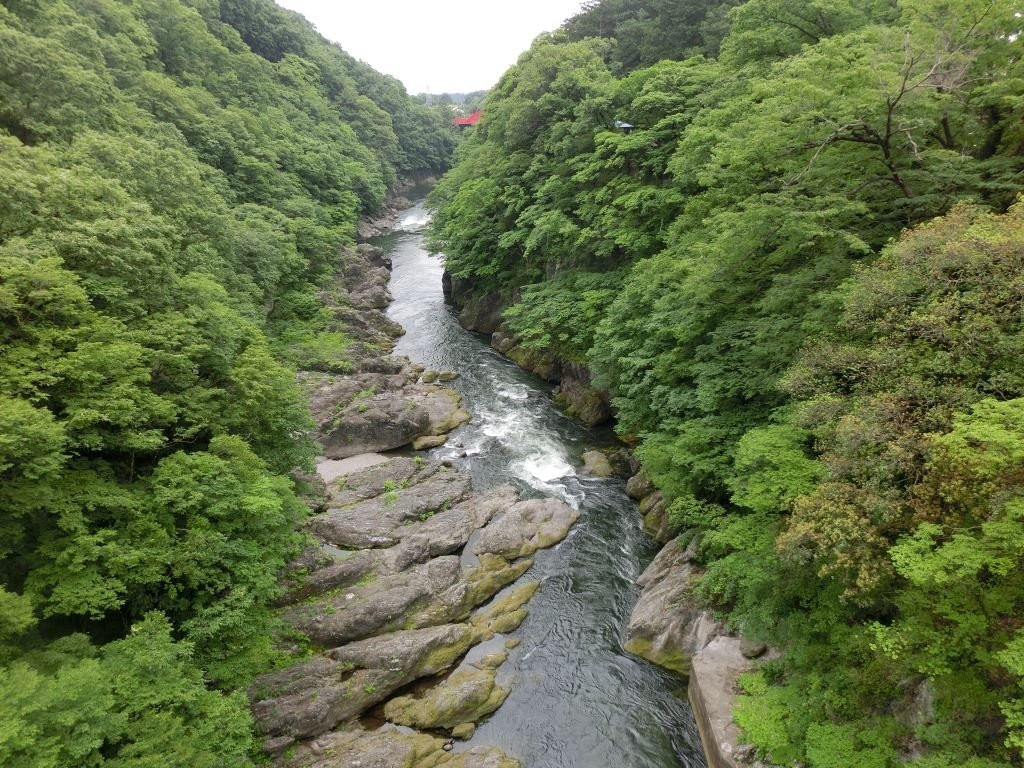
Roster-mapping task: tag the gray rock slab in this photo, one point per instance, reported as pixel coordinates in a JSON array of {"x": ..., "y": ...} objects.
[
  {"x": 526, "y": 527},
  {"x": 375, "y": 522},
  {"x": 331, "y": 469},
  {"x": 384, "y": 604},
  {"x": 669, "y": 625},
  {"x": 398, "y": 472}
]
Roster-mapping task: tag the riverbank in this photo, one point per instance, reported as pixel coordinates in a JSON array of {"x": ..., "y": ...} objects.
[
  {"x": 403, "y": 555},
  {"x": 668, "y": 624},
  {"x": 411, "y": 548}
]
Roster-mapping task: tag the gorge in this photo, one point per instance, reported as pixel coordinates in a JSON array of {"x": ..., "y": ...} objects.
[{"x": 679, "y": 424}]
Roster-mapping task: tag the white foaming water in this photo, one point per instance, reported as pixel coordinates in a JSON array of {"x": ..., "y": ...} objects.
[
  {"x": 414, "y": 220},
  {"x": 542, "y": 470},
  {"x": 517, "y": 394}
]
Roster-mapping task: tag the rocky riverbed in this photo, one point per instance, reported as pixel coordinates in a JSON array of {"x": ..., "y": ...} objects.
[
  {"x": 669, "y": 623},
  {"x": 404, "y": 593},
  {"x": 424, "y": 564}
]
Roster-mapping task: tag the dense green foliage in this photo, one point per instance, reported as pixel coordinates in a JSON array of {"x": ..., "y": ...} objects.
[
  {"x": 648, "y": 31},
  {"x": 176, "y": 179},
  {"x": 833, "y": 408}
]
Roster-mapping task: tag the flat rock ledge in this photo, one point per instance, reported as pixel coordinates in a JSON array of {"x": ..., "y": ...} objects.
[{"x": 411, "y": 576}]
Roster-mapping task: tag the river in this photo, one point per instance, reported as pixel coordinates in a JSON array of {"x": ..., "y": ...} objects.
[{"x": 577, "y": 700}]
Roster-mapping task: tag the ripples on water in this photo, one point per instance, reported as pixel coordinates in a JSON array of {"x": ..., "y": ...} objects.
[{"x": 577, "y": 700}]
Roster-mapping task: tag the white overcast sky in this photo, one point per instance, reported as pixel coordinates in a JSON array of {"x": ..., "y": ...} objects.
[{"x": 436, "y": 46}]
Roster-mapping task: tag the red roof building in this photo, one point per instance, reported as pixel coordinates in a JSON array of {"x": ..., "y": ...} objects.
[{"x": 473, "y": 119}]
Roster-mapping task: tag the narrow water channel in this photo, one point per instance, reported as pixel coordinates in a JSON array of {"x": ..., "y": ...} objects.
[{"x": 577, "y": 701}]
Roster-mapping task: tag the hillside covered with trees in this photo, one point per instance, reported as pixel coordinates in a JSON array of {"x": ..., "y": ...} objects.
[
  {"x": 799, "y": 279},
  {"x": 176, "y": 180}
]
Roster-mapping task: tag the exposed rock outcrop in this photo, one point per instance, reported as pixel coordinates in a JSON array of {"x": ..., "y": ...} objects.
[
  {"x": 669, "y": 625},
  {"x": 526, "y": 527},
  {"x": 313, "y": 697},
  {"x": 466, "y": 695},
  {"x": 673, "y": 628},
  {"x": 368, "y": 412},
  {"x": 596, "y": 464},
  {"x": 389, "y": 748},
  {"x": 402, "y": 607}
]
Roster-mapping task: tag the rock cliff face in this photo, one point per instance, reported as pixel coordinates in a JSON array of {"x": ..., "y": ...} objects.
[
  {"x": 482, "y": 312},
  {"x": 390, "y": 591},
  {"x": 671, "y": 626}
]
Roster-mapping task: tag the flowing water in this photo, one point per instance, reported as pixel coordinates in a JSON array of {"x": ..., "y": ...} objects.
[{"x": 577, "y": 700}]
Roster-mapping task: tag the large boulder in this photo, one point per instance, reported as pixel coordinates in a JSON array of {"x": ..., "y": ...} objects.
[
  {"x": 314, "y": 696},
  {"x": 367, "y": 412},
  {"x": 669, "y": 625},
  {"x": 596, "y": 464},
  {"x": 443, "y": 406},
  {"x": 378, "y": 422},
  {"x": 526, "y": 527},
  {"x": 639, "y": 486},
  {"x": 465, "y": 696},
  {"x": 388, "y": 747},
  {"x": 375, "y": 522}
]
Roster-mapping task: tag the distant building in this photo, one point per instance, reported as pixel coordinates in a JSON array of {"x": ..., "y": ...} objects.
[
  {"x": 624, "y": 126},
  {"x": 473, "y": 119}
]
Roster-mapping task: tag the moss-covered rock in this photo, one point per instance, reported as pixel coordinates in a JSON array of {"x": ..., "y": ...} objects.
[
  {"x": 475, "y": 586},
  {"x": 468, "y": 694},
  {"x": 314, "y": 696},
  {"x": 353, "y": 746},
  {"x": 426, "y": 442},
  {"x": 505, "y": 613},
  {"x": 526, "y": 527}
]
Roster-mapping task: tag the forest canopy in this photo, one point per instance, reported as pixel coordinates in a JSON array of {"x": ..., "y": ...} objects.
[
  {"x": 797, "y": 276},
  {"x": 176, "y": 180}
]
